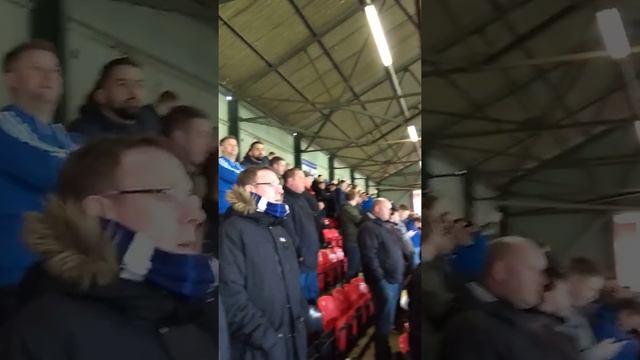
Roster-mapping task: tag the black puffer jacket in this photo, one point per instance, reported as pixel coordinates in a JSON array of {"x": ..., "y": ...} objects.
[
  {"x": 92, "y": 124},
  {"x": 302, "y": 223},
  {"x": 382, "y": 253},
  {"x": 260, "y": 285},
  {"x": 70, "y": 316},
  {"x": 248, "y": 161},
  {"x": 495, "y": 330}
]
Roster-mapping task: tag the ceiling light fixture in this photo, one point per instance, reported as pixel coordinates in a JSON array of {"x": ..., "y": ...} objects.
[
  {"x": 378, "y": 34},
  {"x": 413, "y": 133},
  {"x": 613, "y": 34}
]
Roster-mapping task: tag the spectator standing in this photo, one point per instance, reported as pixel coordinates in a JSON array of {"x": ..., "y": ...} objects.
[
  {"x": 260, "y": 283},
  {"x": 113, "y": 106},
  {"x": 302, "y": 223},
  {"x": 228, "y": 170},
  {"x": 33, "y": 151},
  {"x": 255, "y": 156}
]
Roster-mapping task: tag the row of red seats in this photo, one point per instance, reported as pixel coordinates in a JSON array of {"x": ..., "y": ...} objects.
[
  {"x": 347, "y": 312},
  {"x": 332, "y": 267}
]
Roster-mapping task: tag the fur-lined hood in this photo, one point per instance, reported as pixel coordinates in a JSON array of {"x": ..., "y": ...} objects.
[
  {"x": 72, "y": 245},
  {"x": 241, "y": 200}
]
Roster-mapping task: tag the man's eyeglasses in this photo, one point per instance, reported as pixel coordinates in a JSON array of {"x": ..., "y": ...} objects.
[
  {"x": 172, "y": 194},
  {"x": 273, "y": 185}
]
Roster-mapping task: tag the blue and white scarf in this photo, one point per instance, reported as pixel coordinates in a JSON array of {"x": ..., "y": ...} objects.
[
  {"x": 277, "y": 210},
  {"x": 189, "y": 275}
]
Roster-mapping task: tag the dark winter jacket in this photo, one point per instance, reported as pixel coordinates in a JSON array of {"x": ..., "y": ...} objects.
[
  {"x": 492, "y": 329},
  {"x": 302, "y": 224},
  {"x": 150, "y": 120},
  {"x": 317, "y": 213},
  {"x": 260, "y": 284},
  {"x": 349, "y": 219},
  {"x": 93, "y": 123},
  {"x": 77, "y": 307},
  {"x": 340, "y": 199},
  {"x": 248, "y": 161},
  {"x": 382, "y": 253}
]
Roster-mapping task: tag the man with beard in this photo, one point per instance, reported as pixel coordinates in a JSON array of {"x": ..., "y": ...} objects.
[
  {"x": 255, "y": 156},
  {"x": 113, "y": 106}
]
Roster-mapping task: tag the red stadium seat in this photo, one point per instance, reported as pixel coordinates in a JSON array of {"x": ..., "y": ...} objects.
[
  {"x": 329, "y": 310},
  {"x": 403, "y": 340},
  {"x": 365, "y": 294},
  {"x": 342, "y": 259},
  {"x": 346, "y": 309},
  {"x": 340, "y": 262},
  {"x": 331, "y": 320},
  {"x": 358, "y": 302}
]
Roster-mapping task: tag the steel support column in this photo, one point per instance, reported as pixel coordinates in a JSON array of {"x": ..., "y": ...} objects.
[
  {"x": 297, "y": 151},
  {"x": 504, "y": 222},
  {"x": 353, "y": 175},
  {"x": 332, "y": 169},
  {"x": 468, "y": 182},
  {"x": 232, "y": 116}
]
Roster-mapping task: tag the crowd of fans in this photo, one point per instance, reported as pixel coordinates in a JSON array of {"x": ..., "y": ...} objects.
[
  {"x": 111, "y": 228},
  {"x": 272, "y": 222},
  {"x": 510, "y": 298},
  {"x": 102, "y": 223}
]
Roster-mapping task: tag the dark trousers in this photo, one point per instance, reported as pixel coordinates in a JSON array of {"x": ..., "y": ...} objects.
[
  {"x": 352, "y": 252},
  {"x": 385, "y": 298}
]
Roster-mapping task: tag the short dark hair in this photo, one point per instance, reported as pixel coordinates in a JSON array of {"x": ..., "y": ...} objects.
[
  {"x": 179, "y": 118},
  {"x": 248, "y": 175},
  {"x": 584, "y": 267},
  {"x": 14, "y": 54},
  {"x": 167, "y": 96},
  {"x": 274, "y": 160},
  {"x": 228, "y": 137},
  {"x": 289, "y": 173},
  {"x": 92, "y": 168},
  {"x": 254, "y": 144},
  {"x": 108, "y": 68},
  {"x": 271, "y": 153},
  {"x": 105, "y": 73},
  {"x": 402, "y": 207}
]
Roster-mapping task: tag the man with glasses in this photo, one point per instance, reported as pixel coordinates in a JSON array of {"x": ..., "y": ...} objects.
[
  {"x": 265, "y": 308},
  {"x": 302, "y": 223},
  {"x": 121, "y": 274}
]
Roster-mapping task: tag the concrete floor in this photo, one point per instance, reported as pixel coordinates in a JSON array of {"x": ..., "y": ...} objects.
[{"x": 370, "y": 353}]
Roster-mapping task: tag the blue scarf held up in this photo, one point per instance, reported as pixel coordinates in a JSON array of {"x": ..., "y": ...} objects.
[{"x": 189, "y": 275}]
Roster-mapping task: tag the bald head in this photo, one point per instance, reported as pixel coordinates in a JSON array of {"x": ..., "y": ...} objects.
[
  {"x": 382, "y": 209},
  {"x": 515, "y": 271}
]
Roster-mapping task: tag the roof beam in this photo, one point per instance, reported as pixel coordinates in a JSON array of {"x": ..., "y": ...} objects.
[
  {"x": 297, "y": 50},
  {"x": 541, "y": 128},
  {"x": 572, "y": 149}
]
